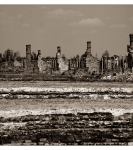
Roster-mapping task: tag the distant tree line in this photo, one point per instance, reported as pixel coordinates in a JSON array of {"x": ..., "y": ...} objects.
[
  {"x": 15, "y": 55},
  {"x": 106, "y": 53}
]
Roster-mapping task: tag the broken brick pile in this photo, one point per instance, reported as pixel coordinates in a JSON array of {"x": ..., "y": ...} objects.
[{"x": 98, "y": 128}]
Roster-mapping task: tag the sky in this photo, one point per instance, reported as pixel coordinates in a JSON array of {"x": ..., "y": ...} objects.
[{"x": 70, "y": 26}]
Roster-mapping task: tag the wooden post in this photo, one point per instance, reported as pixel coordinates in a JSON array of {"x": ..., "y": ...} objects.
[
  {"x": 118, "y": 62},
  {"x": 102, "y": 65},
  {"x": 110, "y": 63},
  {"x": 122, "y": 64},
  {"x": 69, "y": 64},
  {"x": 78, "y": 63},
  {"x": 114, "y": 64}
]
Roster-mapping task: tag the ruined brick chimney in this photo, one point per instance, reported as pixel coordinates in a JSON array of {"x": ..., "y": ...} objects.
[
  {"x": 130, "y": 53},
  {"x": 88, "y": 50},
  {"x": 131, "y": 39},
  {"x": 58, "y": 56},
  {"x": 28, "y": 56},
  {"x": 39, "y": 54},
  {"x": 58, "y": 51},
  {"x": 130, "y": 47}
]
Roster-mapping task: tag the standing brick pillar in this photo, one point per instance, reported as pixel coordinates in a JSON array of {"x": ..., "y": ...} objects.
[
  {"x": 54, "y": 64},
  {"x": 78, "y": 62},
  {"x": 39, "y": 55},
  {"x": 58, "y": 51},
  {"x": 39, "y": 52},
  {"x": 122, "y": 64},
  {"x": 24, "y": 63},
  {"x": 69, "y": 64},
  {"x": 105, "y": 63},
  {"x": 102, "y": 64},
  {"x": 131, "y": 39},
  {"x": 77, "y": 66},
  {"x": 114, "y": 63},
  {"x": 130, "y": 52},
  {"x": 28, "y": 56},
  {"x": 110, "y": 62},
  {"x": 126, "y": 62},
  {"x": 88, "y": 50},
  {"x": 58, "y": 56}
]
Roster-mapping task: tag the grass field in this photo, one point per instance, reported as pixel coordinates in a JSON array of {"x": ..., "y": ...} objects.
[{"x": 62, "y": 84}]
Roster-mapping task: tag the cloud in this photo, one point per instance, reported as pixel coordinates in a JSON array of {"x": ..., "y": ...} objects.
[
  {"x": 131, "y": 18},
  {"x": 16, "y": 17},
  {"x": 74, "y": 32},
  {"x": 90, "y": 22},
  {"x": 61, "y": 12},
  {"x": 40, "y": 30},
  {"x": 93, "y": 31},
  {"x": 4, "y": 15},
  {"x": 19, "y": 16},
  {"x": 26, "y": 25},
  {"x": 118, "y": 26},
  {"x": 7, "y": 18},
  {"x": 43, "y": 7},
  {"x": 109, "y": 18}
]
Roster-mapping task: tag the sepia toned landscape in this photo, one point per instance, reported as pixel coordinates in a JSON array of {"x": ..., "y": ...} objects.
[
  {"x": 68, "y": 113},
  {"x": 66, "y": 75}
]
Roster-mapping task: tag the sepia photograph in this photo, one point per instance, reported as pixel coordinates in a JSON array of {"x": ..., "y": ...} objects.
[{"x": 66, "y": 75}]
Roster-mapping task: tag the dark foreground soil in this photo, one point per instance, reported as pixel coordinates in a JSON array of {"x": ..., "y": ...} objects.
[
  {"x": 64, "y": 121},
  {"x": 67, "y": 129}
]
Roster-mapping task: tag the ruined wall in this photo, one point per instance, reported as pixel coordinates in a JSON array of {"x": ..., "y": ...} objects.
[
  {"x": 18, "y": 64},
  {"x": 92, "y": 64},
  {"x": 74, "y": 63},
  {"x": 130, "y": 53},
  {"x": 63, "y": 65},
  {"x": 96, "y": 128},
  {"x": 43, "y": 66},
  {"x": 88, "y": 50},
  {"x": 28, "y": 56}
]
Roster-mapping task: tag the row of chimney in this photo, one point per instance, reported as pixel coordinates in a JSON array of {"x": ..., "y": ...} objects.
[{"x": 28, "y": 50}]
